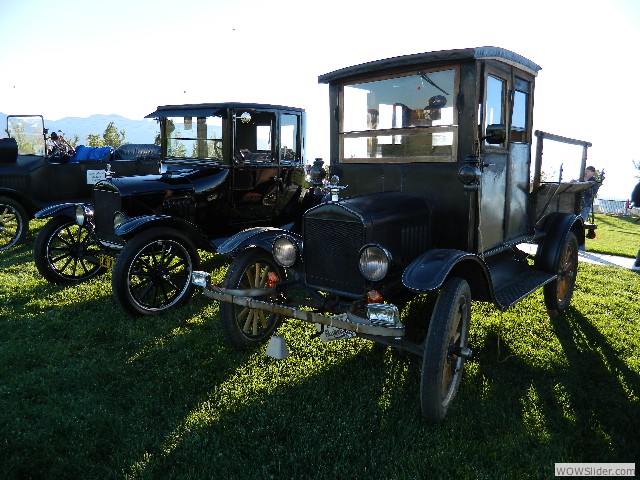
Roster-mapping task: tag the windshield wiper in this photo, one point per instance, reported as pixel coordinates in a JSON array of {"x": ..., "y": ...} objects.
[{"x": 424, "y": 77}]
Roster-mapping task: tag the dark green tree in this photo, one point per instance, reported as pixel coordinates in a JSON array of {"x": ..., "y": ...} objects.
[{"x": 111, "y": 137}]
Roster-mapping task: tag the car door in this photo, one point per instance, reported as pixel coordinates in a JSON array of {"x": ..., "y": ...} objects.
[{"x": 256, "y": 169}]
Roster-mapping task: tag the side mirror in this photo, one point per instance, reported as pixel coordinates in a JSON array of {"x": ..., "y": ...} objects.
[{"x": 495, "y": 134}]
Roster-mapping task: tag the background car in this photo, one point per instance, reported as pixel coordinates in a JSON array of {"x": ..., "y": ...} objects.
[
  {"x": 33, "y": 176},
  {"x": 226, "y": 167}
]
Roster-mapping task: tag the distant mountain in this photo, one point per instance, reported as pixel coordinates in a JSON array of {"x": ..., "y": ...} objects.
[{"x": 136, "y": 131}]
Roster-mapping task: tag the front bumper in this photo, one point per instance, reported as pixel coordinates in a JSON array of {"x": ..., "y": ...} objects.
[{"x": 345, "y": 321}]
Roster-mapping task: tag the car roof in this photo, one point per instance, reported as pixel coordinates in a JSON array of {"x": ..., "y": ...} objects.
[
  {"x": 209, "y": 109},
  {"x": 441, "y": 56}
]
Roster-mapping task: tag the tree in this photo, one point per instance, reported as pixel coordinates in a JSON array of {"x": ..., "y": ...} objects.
[{"x": 111, "y": 137}]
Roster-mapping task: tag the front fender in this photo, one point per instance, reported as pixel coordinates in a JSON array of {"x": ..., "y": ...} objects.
[
  {"x": 135, "y": 225},
  {"x": 557, "y": 226},
  {"x": 429, "y": 271},
  {"x": 261, "y": 237},
  {"x": 61, "y": 209}
]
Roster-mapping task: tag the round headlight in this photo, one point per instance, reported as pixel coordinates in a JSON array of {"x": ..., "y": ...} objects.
[
  {"x": 374, "y": 262},
  {"x": 285, "y": 251},
  {"x": 84, "y": 214},
  {"x": 118, "y": 219}
]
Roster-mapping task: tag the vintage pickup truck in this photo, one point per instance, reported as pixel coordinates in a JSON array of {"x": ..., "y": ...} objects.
[{"x": 432, "y": 191}]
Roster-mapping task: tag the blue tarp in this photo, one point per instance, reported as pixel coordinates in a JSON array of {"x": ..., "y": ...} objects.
[{"x": 84, "y": 153}]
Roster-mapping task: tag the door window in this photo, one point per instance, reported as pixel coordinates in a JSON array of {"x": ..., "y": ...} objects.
[{"x": 494, "y": 106}]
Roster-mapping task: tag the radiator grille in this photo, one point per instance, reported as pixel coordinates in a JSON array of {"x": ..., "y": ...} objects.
[
  {"x": 105, "y": 204},
  {"x": 331, "y": 254}
]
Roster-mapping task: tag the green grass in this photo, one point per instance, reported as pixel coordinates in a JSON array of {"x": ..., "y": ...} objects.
[
  {"x": 616, "y": 235},
  {"x": 88, "y": 392}
]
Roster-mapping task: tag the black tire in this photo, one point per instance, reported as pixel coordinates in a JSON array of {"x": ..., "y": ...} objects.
[
  {"x": 14, "y": 223},
  {"x": 243, "y": 327},
  {"x": 442, "y": 367},
  {"x": 558, "y": 293},
  {"x": 66, "y": 253},
  {"x": 153, "y": 272}
]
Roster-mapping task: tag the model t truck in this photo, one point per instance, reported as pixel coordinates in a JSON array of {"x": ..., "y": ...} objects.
[
  {"x": 35, "y": 173},
  {"x": 433, "y": 155},
  {"x": 226, "y": 166}
]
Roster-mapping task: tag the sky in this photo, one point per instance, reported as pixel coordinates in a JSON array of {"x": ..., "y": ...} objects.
[{"x": 80, "y": 57}]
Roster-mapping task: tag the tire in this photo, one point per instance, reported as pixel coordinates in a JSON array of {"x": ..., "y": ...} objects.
[
  {"x": 14, "y": 223},
  {"x": 66, "y": 253},
  {"x": 153, "y": 272},
  {"x": 558, "y": 293},
  {"x": 243, "y": 327},
  {"x": 442, "y": 367}
]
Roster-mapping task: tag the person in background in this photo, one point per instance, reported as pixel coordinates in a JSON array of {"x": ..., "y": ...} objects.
[
  {"x": 589, "y": 194},
  {"x": 635, "y": 199}
]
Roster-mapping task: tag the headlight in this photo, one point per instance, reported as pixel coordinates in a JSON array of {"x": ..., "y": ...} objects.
[
  {"x": 118, "y": 219},
  {"x": 285, "y": 251},
  {"x": 84, "y": 214},
  {"x": 374, "y": 262}
]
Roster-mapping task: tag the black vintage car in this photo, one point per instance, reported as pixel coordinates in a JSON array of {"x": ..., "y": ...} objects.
[
  {"x": 226, "y": 166},
  {"x": 433, "y": 155},
  {"x": 35, "y": 174}
]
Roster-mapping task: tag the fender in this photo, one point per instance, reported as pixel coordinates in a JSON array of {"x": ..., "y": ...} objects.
[
  {"x": 60, "y": 209},
  {"x": 557, "y": 226},
  {"x": 137, "y": 224},
  {"x": 429, "y": 271},
  {"x": 261, "y": 237},
  {"x": 27, "y": 203}
]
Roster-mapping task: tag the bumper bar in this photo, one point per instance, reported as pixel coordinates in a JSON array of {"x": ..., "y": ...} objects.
[{"x": 346, "y": 321}]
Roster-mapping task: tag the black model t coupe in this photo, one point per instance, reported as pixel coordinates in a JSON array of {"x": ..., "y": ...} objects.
[
  {"x": 433, "y": 155},
  {"x": 226, "y": 166},
  {"x": 38, "y": 169}
]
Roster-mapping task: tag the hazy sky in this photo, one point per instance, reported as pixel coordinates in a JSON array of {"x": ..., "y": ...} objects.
[{"x": 79, "y": 57}]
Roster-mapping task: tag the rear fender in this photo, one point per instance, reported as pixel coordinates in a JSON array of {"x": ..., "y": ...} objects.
[
  {"x": 260, "y": 237},
  {"x": 136, "y": 225},
  {"x": 430, "y": 270},
  {"x": 61, "y": 209},
  {"x": 557, "y": 226}
]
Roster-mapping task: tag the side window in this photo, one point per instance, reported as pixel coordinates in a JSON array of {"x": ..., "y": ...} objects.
[
  {"x": 253, "y": 141},
  {"x": 519, "y": 118},
  {"x": 289, "y": 137},
  {"x": 494, "y": 107}
]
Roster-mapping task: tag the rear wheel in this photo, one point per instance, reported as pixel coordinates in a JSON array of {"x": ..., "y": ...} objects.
[
  {"x": 153, "y": 272},
  {"x": 558, "y": 293},
  {"x": 14, "y": 223},
  {"x": 445, "y": 349},
  {"x": 245, "y": 327},
  {"x": 65, "y": 252}
]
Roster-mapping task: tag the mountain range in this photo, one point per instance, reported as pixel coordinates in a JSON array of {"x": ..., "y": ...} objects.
[{"x": 136, "y": 131}]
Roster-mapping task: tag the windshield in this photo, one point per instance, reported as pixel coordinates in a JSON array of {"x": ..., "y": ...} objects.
[
  {"x": 410, "y": 118},
  {"x": 194, "y": 137},
  {"x": 28, "y": 132}
]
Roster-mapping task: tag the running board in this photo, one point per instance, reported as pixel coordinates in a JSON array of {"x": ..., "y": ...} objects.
[{"x": 521, "y": 286}]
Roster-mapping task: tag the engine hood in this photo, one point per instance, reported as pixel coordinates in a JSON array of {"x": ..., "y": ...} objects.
[
  {"x": 197, "y": 180},
  {"x": 398, "y": 221}
]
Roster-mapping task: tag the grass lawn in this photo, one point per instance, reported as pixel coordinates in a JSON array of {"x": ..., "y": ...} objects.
[{"x": 88, "y": 392}]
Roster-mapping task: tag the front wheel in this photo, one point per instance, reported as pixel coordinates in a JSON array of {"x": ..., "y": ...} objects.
[
  {"x": 245, "y": 327},
  {"x": 445, "y": 349},
  {"x": 153, "y": 272},
  {"x": 14, "y": 223},
  {"x": 558, "y": 293},
  {"x": 65, "y": 252}
]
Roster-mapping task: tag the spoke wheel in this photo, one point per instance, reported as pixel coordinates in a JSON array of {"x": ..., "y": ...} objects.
[
  {"x": 65, "y": 252},
  {"x": 442, "y": 365},
  {"x": 245, "y": 327},
  {"x": 153, "y": 272},
  {"x": 558, "y": 293},
  {"x": 14, "y": 223}
]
